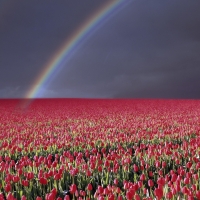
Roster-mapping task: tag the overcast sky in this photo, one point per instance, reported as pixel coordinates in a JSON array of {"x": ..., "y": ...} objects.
[{"x": 148, "y": 49}]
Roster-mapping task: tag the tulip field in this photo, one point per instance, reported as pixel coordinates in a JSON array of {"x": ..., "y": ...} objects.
[{"x": 104, "y": 149}]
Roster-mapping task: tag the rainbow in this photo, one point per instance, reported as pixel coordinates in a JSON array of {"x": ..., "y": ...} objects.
[{"x": 71, "y": 43}]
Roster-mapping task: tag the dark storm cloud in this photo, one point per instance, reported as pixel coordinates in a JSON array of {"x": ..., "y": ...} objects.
[
  {"x": 30, "y": 33},
  {"x": 150, "y": 49}
]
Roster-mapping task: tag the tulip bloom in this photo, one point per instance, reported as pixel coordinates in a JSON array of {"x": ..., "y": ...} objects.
[
  {"x": 135, "y": 168},
  {"x": 43, "y": 181},
  {"x": 158, "y": 193},
  {"x": 129, "y": 195},
  {"x": 100, "y": 189},
  {"x": 89, "y": 187},
  {"x": 67, "y": 197},
  {"x": 169, "y": 195},
  {"x": 142, "y": 177},
  {"x": 73, "y": 188},
  {"x": 16, "y": 179},
  {"x": 115, "y": 181},
  {"x": 150, "y": 183}
]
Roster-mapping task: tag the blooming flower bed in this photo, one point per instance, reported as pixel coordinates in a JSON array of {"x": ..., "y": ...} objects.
[{"x": 100, "y": 149}]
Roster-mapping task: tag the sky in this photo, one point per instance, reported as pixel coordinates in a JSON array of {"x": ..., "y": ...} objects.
[{"x": 146, "y": 49}]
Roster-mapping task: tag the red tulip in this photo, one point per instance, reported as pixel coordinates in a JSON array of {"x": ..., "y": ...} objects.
[
  {"x": 164, "y": 164},
  {"x": 30, "y": 175},
  {"x": 88, "y": 173},
  {"x": 158, "y": 193},
  {"x": 174, "y": 177},
  {"x": 54, "y": 191},
  {"x": 16, "y": 179},
  {"x": 7, "y": 187},
  {"x": 198, "y": 194},
  {"x": 139, "y": 183},
  {"x": 169, "y": 195},
  {"x": 173, "y": 191},
  {"x": 100, "y": 197},
  {"x": 51, "y": 196},
  {"x": 135, "y": 168},
  {"x": 115, "y": 181},
  {"x": 186, "y": 180},
  {"x": 137, "y": 197},
  {"x": 150, "y": 183},
  {"x": 25, "y": 183},
  {"x": 142, "y": 177},
  {"x": 73, "y": 188},
  {"x": 76, "y": 193},
  {"x": 189, "y": 165},
  {"x": 67, "y": 197},
  {"x": 111, "y": 197},
  {"x": 150, "y": 174},
  {"x": 10, "y": 196},
  {"x": 57, "y": 176},
  {"x": 89, "y": 187},
  {"x": 196, "y": 176},
  {"x": 184, "y": 190},
  {"x": 126, "y": 186},
  {"x": 43, "y": 181},
  {"x": 119, "y": 197},
  {"x": 23, "y": 198},
  {"x": 100, "y": 168},
  {"x": 1, "y": 196},
  {"x": 100, "y": 189},
  {"x": 157, "y": 164},
  {"x": 129, "y": 195},
  {"x": 161, "y": 181}
]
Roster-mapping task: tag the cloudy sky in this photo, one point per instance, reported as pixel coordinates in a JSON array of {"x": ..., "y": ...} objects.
[{"x": 147, "y": 49}]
